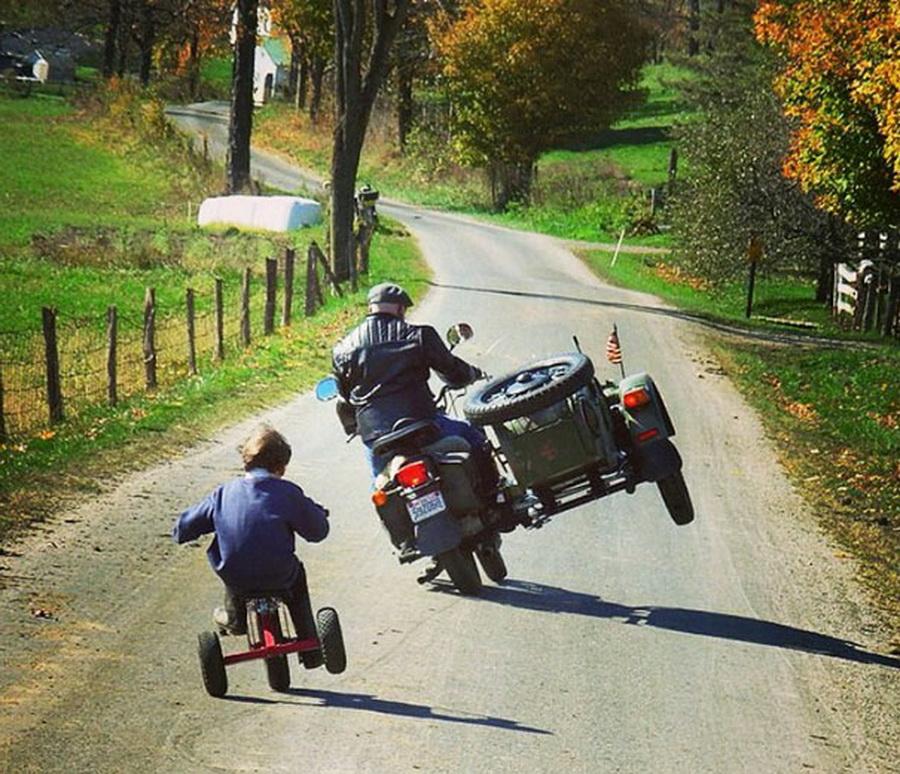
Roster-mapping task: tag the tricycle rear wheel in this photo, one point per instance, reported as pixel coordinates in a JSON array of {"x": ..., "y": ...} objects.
[
  {"x": 332, "y": 639},
  {"x": 675, "y": 495},
  {"x": 212, "y": 664}
]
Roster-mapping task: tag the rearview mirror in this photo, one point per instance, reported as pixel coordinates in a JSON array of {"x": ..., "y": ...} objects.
[
  {"x": 459, "y": 332},
  {"x": 327, "y": 389}
]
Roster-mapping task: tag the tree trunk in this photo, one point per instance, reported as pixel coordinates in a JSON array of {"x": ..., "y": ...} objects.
[
  {"x": 241, "y": 125},
  {"x": 316, "y": 74},
  {"x": 302, "y": 85},
  {"x": 294, "y": 67},
  {"x": 111, "y": 38},
  {"x": 194, "y": 65},
  {"x": 511, "y": 182},
  {"x": 694, "y": 26},
  {"x": 147, "y": 40},
  {"x": 404, "y": 104},
  {"x": 124, "y": 39},
  {"x": 355, "y": 94}
]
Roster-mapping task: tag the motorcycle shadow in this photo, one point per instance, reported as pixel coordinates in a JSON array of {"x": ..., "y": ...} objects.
[{"x": 704, "y": 623}]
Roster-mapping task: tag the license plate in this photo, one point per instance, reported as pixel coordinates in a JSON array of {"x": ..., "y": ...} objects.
[{"x": 426, "y": 506}]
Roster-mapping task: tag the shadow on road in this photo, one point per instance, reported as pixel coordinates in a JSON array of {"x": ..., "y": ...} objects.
[
  {"x": 370, "y": 703},
  {"x": 551, "y": 599},
  {"x": 775, "y": 337}
]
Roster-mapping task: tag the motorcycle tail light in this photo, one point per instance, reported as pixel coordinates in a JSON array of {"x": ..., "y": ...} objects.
[
  {"x": 647, "y": 435},
  {"x": 379, "y": 497},
  {"x": 636, "y": 398},
  {"x": 412, "y": 475}
]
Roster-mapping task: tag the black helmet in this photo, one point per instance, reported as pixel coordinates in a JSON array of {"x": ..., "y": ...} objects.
[{"x": 389, "y": 293}]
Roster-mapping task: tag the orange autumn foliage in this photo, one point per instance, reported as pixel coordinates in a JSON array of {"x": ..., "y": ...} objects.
[{"x": 840, "y": 82}]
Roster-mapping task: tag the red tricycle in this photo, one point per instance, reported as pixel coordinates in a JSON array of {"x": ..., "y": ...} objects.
[{"x": 271, "y": 636}]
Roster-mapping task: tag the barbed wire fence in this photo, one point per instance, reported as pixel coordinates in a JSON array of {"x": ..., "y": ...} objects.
[{"x": 66, "y": 365}]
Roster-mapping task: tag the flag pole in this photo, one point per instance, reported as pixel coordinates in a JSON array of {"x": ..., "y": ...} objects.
[{"x": 621, "y": 359}]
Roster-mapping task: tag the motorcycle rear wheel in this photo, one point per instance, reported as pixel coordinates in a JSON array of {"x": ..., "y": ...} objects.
[
  {"x": 491, "y": 561},
  {"x": 460, "y": 566}
]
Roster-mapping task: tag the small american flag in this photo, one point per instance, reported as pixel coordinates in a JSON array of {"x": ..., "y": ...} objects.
[{"x": 613, "y": 350}]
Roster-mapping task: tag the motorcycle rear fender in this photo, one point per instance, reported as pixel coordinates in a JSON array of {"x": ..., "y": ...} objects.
[
  {"x": 656, "y": 460},
  {"x": 438, "y": 534},
  {"x": 649, "y": 417}
]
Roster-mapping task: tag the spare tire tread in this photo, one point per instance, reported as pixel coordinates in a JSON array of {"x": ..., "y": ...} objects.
[{"x": 580, "y": 373}]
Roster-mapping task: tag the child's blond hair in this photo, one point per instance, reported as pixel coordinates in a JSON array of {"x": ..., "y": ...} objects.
[{"x": 266, "y": 448}]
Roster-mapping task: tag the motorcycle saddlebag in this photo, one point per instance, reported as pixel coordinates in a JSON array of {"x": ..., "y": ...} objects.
[{"x": 560, "y": 441}]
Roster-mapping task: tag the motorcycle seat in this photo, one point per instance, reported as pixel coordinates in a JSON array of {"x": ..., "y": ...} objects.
[{"x": 417, "y": 434}]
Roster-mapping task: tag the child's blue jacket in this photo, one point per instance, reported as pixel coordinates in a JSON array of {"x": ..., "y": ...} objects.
[{"x": 254, "y": 519}]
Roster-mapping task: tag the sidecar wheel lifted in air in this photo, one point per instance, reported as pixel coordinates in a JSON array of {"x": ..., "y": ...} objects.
[{"x": 532, "y": 388}]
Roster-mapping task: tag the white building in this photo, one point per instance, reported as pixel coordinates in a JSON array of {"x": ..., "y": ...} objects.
[{"x": 272, "y": 59}]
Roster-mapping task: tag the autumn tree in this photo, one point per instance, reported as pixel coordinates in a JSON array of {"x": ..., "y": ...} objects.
[
  {"x": 524, "y": 76},
  {"x": 310, "y": 26},
  {"x": 839, "y": 80},
  {"x": 733, "y": 190},
  {"x": 364, "y": 33}
]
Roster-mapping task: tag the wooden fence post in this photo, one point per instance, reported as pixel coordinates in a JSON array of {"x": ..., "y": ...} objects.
[
  {"x": 271, "y": 285},
  {"x": 112, "y": 332},
  {"x": 220, "y": 321},
  {"x": 364, "y": 241},
  {"x": 150, "y": 338},
  {"x": 332, "y": 279},
  {"x": 245, "y": 309},
  {"x": 191, "y": 332},
  {"x": 51, "y": 352},
  {"x": 288, "y": 286},
  {"x": 3, "y": 435},
  {"x": 312, "y": 279}
]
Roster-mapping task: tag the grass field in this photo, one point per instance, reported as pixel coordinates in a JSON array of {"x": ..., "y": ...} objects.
[
  {"x": 590, "y": 193},
  {"x": 96, "y": 212}
]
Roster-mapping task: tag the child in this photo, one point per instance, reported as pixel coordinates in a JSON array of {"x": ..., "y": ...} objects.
[{"x": 254, "y": 519}]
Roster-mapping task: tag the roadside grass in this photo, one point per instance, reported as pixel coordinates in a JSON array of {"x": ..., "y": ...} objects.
[
  {"x": 95, "y": 212},
  {"x": 835, "y": 416},
  {"x": 86, "y": 453},
  {"x": 779, "y": 301},
  {"x": 834, "y": 413},
  {"x": 590, "y": 193}
]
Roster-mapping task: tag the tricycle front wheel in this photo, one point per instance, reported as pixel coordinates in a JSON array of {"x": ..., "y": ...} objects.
[{"x": 278, "y": 671}]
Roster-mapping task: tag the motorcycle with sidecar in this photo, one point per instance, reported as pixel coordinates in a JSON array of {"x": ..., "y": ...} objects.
[{"x": 560, "y": 438}]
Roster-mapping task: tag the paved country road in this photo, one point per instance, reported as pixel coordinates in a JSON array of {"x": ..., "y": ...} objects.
[{"x": 621, "y": 642}]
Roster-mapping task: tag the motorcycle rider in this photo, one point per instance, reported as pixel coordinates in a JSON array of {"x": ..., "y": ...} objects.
[{"x": 382, "y": 368}]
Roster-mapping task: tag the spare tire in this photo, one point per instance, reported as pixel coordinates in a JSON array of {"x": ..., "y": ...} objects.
[{"x": 529, "y": 389}]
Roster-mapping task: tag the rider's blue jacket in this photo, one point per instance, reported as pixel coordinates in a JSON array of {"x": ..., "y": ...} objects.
[{"x": 254, "y": 519}]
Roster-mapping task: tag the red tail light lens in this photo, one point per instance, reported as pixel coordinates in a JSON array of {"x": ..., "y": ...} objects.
[
  {"x": 636, "y": 398},
  {"x": 412, "y": 475}
]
